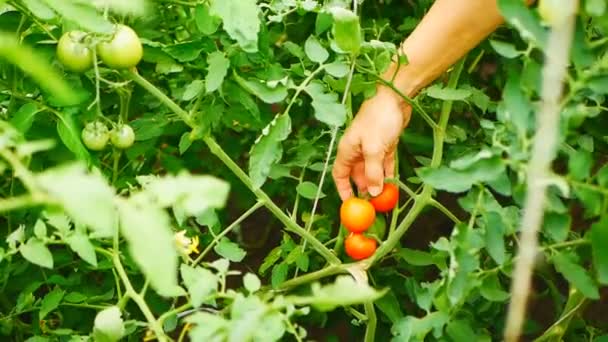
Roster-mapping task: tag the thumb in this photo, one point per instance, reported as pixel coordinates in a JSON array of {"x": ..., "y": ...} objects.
[{"x": 374, "y": 169}]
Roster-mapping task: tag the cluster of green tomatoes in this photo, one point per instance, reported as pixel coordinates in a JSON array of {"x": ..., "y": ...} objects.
[{"x": 123, "y": 50}]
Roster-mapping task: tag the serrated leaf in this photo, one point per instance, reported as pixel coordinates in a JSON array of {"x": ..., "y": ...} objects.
[
  {"x": 50, "y": 302},
  {"x": 315, "y": 51},
  {"x": 262, "y": 91},
  {"x": 188, "y": 51},
  {"x": 270, "y": 259},
  {"x": 81, "y": 244},
  {"x": 599, "y": 242},
  {"x": 241, "y": 21},
  {"x": 230, "y": 250},
  {"x": 411, "y": 328},
  {"x": 279, "y": 274},
  {"x": 576, "y": 275},
  {"x": 147, "y": 229},
  {"x": 200, "y": 283},
  {"x": 491, "y": 289},
  {"x": 579, "y": 164},
  {"x": 36, "y": 252},
  {"x": 216, "y": 71},
  {"x": 337, "y": 69},
  {"x": 495, "y": 230},
  {"x": 268, "y": 149},
  {"x": 193, "y": 89},
  {"x": 85, "y": 197},
  {"x": 451, "y": 180},
  {"x": 308, "y": 190},
  {"x": 326, "y": 105}
]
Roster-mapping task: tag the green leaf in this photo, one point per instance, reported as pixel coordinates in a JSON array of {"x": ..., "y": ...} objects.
[
  {"x": 505, "y": 49},
  {"x": 327, "y": 108},
  {"x": 194, "y": 194},
  {"x": 460, "y": 330},
  {"x": 188, "y": 51},
  {"x": 596, "y": 8},
  {"x": 262, "y": 90},
  {"x": 519, "y": 16},
  {"x": 447, "y": 94},
  {"x": 24, "y": 117},
  {"x": 279, "y": 274},
  {"x": 599, "y": 242},
  {"x": 451, "y": 180},
  {"x": 268, "y": 149},
  {"x": 109, "y": 326},
  {"x": 390, "y": 306},
  {"x": 516, "y": 108},
  {"x": 85, "y": 197},
  {"x": 495, "y": 230},
  {"x": 579, "y": 164},
  {"x": 557, "y": 226},
  {"x": 241, "y": 21},
  {"x": 40, "y": 229},
  {"x": 346, "y": 30},
  {"x": 308, "y": 190},
  {"x": 80, "y": 243},
  {"x": 40, "y": 9},
  {"x": 576, "y": 275},
  {"x": 491, "y": 289},
  {"x": 337, "y": 69},
  {"x": 83, "y": 14},
  {"x": 344, "y": 291},
  {"x": 205, "y": 22},
  {"x": 200, "y": 282},
  {"x": 270, "y": 259},
  {"x": 315, "y": 51},
  {"x": 416, "y": 257},
  {"x": 193, "y": 90},
  {"x": 230, "y": 250},
  {"x": 147, "y": 229},
  {"x": 69, "y": 133},
  {"x": 251, "y": 282},
  {"x": 36, "y": 252},
  {"x": 50, "y": 302},
  {"x": 411, "y": 328},
  {"x": 216, "y": 71},
  {"x": 208, "y": 327}
]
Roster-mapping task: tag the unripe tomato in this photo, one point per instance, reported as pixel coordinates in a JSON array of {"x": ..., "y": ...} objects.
[
  {"x": 357, "y": 215},
  {"x": 122, "y": 137},
  {"x": 123, "y": 50},
  {"x": 73, "y": 53},
  {"x": 95, "y": 136},
  {"x": 387, "y": 200},
  {"x": 358, "y": 246}
]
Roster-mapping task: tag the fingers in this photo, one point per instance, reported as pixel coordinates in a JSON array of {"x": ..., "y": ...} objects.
[
  {"x": 358, "y": 175},
  {"x": 343, "y": 166},
  {"x": 389, "y": 165},
  {"x": 374, "y": 168}
]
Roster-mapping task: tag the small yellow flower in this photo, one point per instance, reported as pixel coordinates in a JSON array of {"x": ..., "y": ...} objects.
[{"x": 185, "y": 244}]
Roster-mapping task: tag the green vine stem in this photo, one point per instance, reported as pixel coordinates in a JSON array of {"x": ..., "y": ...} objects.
[
  {"x": 372, "y": 322},
  {"x": 539, "y": 167},
  {"x": 575, "y": 303},
  {"x": 217, "y": 150}
]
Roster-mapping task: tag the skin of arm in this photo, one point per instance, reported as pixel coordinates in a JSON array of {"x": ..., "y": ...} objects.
[{"x": 447, "y": 32}]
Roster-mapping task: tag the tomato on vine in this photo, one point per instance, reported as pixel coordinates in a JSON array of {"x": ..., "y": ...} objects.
[
  {"x": 357, "y": 214},
  {"x": 359, "y": 246},
  {"x": 73, "y": 53},
  {"x": 387, "y": 200},
  {"x": 122, "y": 136},
  {"x": 124, "y": 50},
  {"x": 95, "y": 135}
]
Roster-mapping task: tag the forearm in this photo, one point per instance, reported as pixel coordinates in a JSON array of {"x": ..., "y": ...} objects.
[{"x": 448, "y": 31}]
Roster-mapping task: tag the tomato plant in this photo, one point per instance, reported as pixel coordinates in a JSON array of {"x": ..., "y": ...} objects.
[
  {"x": 357, "y": 214},
  {"x": 95, "y": 135},
  {"x": 73, "y": 53},
  {"x": 387, "y": 200},
  {"x": 122, "y": 136},
  {"x": 122, "y": 50},
  {"x": 220, "y": 221},
  {"x": 359, "y": 246}
]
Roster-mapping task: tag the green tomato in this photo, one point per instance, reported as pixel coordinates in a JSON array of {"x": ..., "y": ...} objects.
[
  {"x": 73, "y": 53},
  {"x": 122, "y": 137},
  {"x": 95, "y": 135},
  {"x": 123, "y": 50}
]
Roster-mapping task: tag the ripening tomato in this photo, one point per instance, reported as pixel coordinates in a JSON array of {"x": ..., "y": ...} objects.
[
  {"x": 95, "y": 135},
  {"x": 388, "y": 198},
  {"x": 358, "y": 246},
  {"x": 122, "y": 137},
  {"x": 357, "y": 215},
  {"x": 123, "y": 50},
  {"x": 73, "y": 53}
]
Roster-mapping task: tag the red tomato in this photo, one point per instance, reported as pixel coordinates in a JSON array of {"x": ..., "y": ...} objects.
[
  {"x": 358, "y": 246},
  {"x": 357, "y": 215},
  {"x": 388, "y": 198}
]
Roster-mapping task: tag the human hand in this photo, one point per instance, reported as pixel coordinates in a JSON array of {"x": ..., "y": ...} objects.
[{"x": 366, "y": 152}]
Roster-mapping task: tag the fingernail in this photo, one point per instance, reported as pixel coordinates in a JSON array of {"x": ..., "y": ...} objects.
[{"x": 374, "y": 190}]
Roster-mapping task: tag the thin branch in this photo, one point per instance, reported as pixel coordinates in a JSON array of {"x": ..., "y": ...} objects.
[{"x": 543, "y": 152}]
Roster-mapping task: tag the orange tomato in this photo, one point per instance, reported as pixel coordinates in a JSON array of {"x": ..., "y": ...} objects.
[
  {"x": 358, "y": 246},
  {"x": 357, "y": 215},
  {"x": 388, "y": 198}
]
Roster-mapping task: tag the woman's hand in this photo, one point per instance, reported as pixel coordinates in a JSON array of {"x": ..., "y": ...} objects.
[{"x": 366, "y": 152}]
